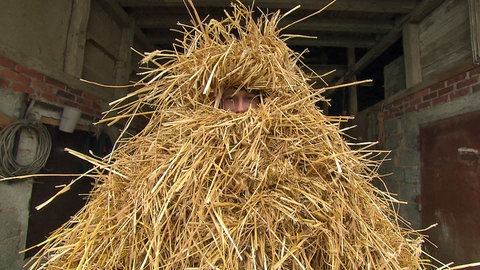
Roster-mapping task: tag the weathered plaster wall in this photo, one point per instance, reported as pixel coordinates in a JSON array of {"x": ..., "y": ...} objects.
[
  {"x": 15, "y": 196},
  {"x": 14, "y": 210},
  {"x": 36, "y": 28}
]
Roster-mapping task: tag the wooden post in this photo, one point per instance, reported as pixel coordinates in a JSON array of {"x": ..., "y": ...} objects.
[
  {"x": 411, "y": 53},
  {"x": 474, "y": 16},
  {"x": 352, "y": 93},
  {"x": 123, "y": 64},
  {"x": 76, "y": 38}
]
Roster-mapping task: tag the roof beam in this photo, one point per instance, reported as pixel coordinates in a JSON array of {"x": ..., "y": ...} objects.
[
  {"x": 384, "y": 6},
  {"x": 165, "y": 39},
  {"x": 313, "y": 24}
]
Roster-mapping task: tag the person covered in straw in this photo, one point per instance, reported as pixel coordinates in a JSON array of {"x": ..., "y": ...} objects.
[{"x": 212, "y": 184}]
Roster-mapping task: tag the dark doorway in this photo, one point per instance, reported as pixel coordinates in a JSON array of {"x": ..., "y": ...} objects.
[
  {"x": 44, "y": 221},
  {"x": 450, "y": 173}
]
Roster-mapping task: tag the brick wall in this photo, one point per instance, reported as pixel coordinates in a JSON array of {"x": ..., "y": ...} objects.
[
  {"x": 445, "y": 91},
  {"x": 21, "y": 79}
]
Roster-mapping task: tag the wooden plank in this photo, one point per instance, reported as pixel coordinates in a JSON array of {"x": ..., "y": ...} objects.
[
  {"x": 451, "y": 15},
  {"x": 456, "y": 39},
  {"x": 56, "y": 122},
  {"x": 444, "y": 37},
  {"x": 474, "y": 18},
  {"x": 123, "y": 64},
  {"x": 76, "y": 38},
  {"x": 411, "y": 53},
  {"x": 105, "y": 30},
  {"x": 448, "y": 60}
]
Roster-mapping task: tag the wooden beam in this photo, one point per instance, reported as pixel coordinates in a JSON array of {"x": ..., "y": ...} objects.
[
  {"x": 373, "y": 53},
  {"x": 474, "y": 14},
  {"x": 352, "y": 90},
  {"x": 390, "y": 6},
  {"x": 143, "y": 40},
  {"x": 312, "y": 24},
  {"x": 117, "y": 12},
  {"x": 123, "y": 57},
  {"x": 123, "y": 64},
  {"x": 76, "y": 38},
  {"x": 423, "y": 9},
  {"x": 411, "y": 54},
  {"x": 165, "y": 39}
]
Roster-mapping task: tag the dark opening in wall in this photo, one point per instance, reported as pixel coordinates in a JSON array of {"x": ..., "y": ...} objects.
[{"x": 370, "y": 94}]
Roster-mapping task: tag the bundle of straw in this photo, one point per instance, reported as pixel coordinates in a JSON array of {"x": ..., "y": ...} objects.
[{"x": 276, "y": 187}]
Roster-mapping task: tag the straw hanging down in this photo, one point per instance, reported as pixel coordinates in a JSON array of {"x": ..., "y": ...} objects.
[{"x": 199, "y": 187}]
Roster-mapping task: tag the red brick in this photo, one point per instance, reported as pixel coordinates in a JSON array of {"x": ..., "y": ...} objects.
[
  {"x": 55, "y": 83},
  {"x": 30, "y": 72},
  {"x": 456, "y": 78},
  {"x": 96, "y": 106},
  {"x": 410, "y": 109},
  {"x": 49, "y": 96},
  {"x": 22, "y": 88},
  {"x": 421, "y": 93},
  {"x": 4, "y": 83},
  {"x": 445, "y": 90},
  {"x": 460, "y": 93},
  {"x": 474, "y": 72},
  {"x": 467, "y": 82},
  {"x": 76, "y": 92},
  {"x": 41, "y": 86},
  {"x": 430, "y": 96},
  {"x": 475, "y": 88},
  {"x": 90, "y": 96},
  {"x": 71, "y": 103},
  {"x": 414, "y": 101},
  {"x": 423, "y": 105},
  {"x": 6, "y": 62},
  {"x": 9, "y": 74},
  {"x": 439, "y": 85},
  {"x": 87, "y": 110},
  {"x": 440, "y": 100},
  {"x": 65, "y": 94}
]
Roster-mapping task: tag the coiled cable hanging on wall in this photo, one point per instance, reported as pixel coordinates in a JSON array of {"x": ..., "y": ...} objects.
[{"x": 9, "y": 165}]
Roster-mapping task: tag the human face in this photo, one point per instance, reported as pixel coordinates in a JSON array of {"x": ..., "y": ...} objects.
[{"x": 240, "y": 101}]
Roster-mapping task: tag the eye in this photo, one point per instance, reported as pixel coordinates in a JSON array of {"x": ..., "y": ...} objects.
[{"x": 229, "y": 100}]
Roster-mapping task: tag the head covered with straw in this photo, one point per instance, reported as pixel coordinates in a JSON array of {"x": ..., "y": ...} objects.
[{"x": 200, "y": 187}]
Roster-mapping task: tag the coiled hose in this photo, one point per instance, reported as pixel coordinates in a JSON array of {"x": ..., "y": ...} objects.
[{"x": 8, "y": 144}]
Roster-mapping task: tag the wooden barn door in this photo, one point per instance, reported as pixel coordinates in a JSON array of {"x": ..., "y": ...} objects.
[{"x": 450, "y": 174}]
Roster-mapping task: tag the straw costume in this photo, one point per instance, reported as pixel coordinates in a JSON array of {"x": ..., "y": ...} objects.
[{"x": 199, "y": 187}]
